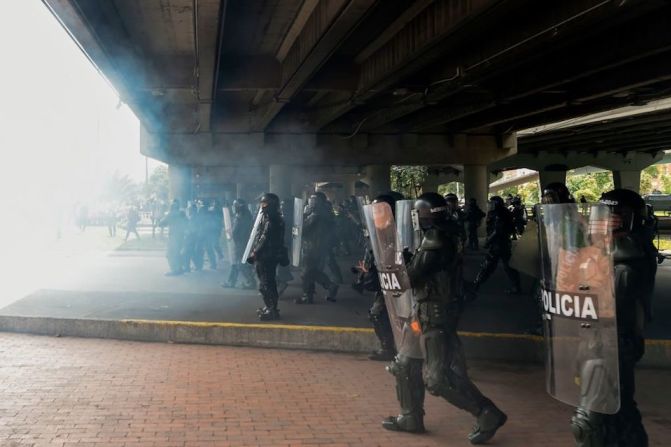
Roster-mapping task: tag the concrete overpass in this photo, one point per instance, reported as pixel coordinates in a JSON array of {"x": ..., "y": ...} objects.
[{"x": 240, "y": 95}]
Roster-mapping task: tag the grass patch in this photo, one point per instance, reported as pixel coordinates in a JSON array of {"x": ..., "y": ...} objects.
[{"x": 664, "y": 243}]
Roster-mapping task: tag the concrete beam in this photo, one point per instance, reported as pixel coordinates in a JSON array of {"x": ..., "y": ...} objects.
[
  {"x": 329, "y": 23},
  {"x": 258, "y": 149},
  {"x": 207, "y": 15},
  {"x": 630, "y": 179},
  {"x": 404, "y": 47},
  {"x": 541, "y": 160}
]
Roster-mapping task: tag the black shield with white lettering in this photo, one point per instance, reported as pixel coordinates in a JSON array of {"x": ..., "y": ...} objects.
[
  {"x": 394, "y": 280},
  {"x": 578, "y": 297}
]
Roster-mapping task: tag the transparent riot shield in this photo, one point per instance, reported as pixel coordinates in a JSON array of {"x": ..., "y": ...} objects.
[
  {"x": 362, "y": 201},
  {"x": 407, "y": 225},
  {"x": 394, "y": 280},
  {"x": 252, "y": 236},
  {"x": 297, "y": 232},
  {"x": 228, "y": 232},
  {"x": 578, "y": 297}
]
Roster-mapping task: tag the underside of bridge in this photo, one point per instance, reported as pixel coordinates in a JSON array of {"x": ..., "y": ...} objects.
[{"x": 237, "y": 88}]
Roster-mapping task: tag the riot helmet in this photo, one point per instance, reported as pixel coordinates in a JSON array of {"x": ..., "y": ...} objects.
[
  {"x": 495, "y": 203},
  {"x": 395, "y": 195},
  {"x": 628, "y": 210},
  {"x": 556, "y": 192},
  {"x": 270, "y": 203},
  {"x": 239, "y": 205},
  {"x": 431, "y": 209},
  {"x": 452, "y": 201}
]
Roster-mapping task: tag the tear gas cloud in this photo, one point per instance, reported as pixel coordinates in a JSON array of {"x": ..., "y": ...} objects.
[{"x": 62, "y": 133}]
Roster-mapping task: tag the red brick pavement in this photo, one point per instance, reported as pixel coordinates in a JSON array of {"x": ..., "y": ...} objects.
[{"x": 82, "y": 392}]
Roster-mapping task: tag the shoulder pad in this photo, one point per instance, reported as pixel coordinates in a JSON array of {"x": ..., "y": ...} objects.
[{"x": 434, "y": 240}]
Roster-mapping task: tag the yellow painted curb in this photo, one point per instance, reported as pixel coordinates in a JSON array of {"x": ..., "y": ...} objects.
[
  {"x": 290, "y": 327},
  {"x": 295, "y": 327},
  {"x": 343, "y": 329}
]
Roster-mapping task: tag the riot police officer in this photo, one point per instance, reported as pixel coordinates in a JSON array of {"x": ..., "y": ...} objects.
[
  {"x": 177, "y": 223},
  {"x": 266, "y": 252},
  {"x": 519, "y": 215},
  {"x": 241, "y": 229},
  {"x": 456, "y": 215},
  {"x": 500, "y": 229},
  {"x": 634, "y": 258},
  {"x": 432, "y": 275},
  {"x": 474, "y": 217},
  {"x": 316, "y": 247},
  {"x": 377, "y": 313}
]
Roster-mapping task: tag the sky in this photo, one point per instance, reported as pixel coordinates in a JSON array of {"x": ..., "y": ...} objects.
[{"x": 62, "y": 129}]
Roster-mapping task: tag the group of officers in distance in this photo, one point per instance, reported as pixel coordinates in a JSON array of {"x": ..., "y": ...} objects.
[{"x": 597, "y": 267}]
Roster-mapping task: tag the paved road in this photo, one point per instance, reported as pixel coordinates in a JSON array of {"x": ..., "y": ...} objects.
[
  {"x": 83, "y": 392},
  {"x": 123, "y": 284}
]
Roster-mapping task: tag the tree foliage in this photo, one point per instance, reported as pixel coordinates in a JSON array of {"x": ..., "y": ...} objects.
[
  {"x": 159, "y": 184},
  {"x": 408, "y": 179}
]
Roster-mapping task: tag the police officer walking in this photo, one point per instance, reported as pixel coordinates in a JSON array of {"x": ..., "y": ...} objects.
[
  {"x": 474, "y": 217},
  {"x": 500, "y": 229},
  {"x": 316, "y": 248},
  {"x": 634, "y": 259},
  {"x": 267, "y": 251},
  {"x": 433, "y": 274},
  {"x": 241, "y": 229},
  {"x": 177, "y": 224}
]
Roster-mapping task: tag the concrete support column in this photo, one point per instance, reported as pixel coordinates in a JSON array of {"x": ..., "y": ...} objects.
[
  {"x": 547, "y": 177},
  {"x": 348, "y": 185},
  {"x": 379, "y": 179},
  {"x": 179, "y": 177},
  {"x": 627, "y": 179},
  {"x": 240, "y": 191},
  {"x": 476, "y": 186},
  {"x": 280, "y": 180}
]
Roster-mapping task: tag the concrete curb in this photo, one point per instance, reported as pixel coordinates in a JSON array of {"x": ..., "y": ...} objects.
[{"x": 487, "y": 346}]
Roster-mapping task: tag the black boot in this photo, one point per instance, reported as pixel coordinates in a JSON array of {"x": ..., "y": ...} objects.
[
  {"x": 331, "y": 295},
  {"x": 383, "y": 355},
  {"x": 411, "y": 423},
  {"x": 489, "y": 421},
  {"x": 269, "y": 315},
  {"x": 305, "y": 299}
]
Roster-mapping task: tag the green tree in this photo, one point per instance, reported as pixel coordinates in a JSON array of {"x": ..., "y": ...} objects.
[
  {"x": 120, "y": 188},
  {"x": 158, "y": 184},
  {"x": 408, "y": 179}
]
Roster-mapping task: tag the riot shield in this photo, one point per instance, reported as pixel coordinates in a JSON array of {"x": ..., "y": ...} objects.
[
  {"x": 578, "y": 297},
  {"x": 407, "y": 225},
  {"x": 252, "y": 236},
  {"x": 525, "y": 256},
  {"x": 297, "y": 232},
  {"x": 362, "y": 201},
  {"x": 394, "y": 280},
  {"x": 228, "y": 232}
]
